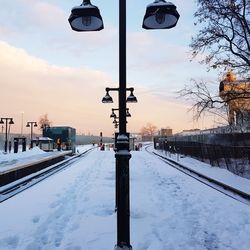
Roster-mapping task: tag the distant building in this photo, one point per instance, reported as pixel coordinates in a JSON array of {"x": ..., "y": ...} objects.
[
  {"x": 190, "y": 131},
  {"x": 165, "y": 132},
  {"x": 236, "y": 93}
]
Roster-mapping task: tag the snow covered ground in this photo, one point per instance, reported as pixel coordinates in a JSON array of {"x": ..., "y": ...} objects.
[
  {"x": 219, "y": 174},
  {"x": 12, "y": 160},
  {"x": 74, "y": 210},
  {"x": 8, "y": 161}
]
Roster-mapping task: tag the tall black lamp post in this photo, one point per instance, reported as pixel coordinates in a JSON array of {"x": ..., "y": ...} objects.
[
  {"x": 86, "y": 17},
  {"x": 6, "y": 119},
  {"x": 31, "y": 125}
]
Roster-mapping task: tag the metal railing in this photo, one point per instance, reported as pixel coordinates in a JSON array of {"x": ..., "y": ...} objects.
[{"x": 236, "y": 159}]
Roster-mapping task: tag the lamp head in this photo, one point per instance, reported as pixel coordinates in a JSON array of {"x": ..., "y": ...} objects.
[
  {"x": 35, "y": 125},
  {"x": 113, "y": 115},
  {"x": 131, "y": 98},
  {"x": 107, "y": 98},
  {"x": 11, "y": 121},
  {"x": 45, "y": 126},
  {"x": 128, "y": 114},
  {"x": 86, "y": 17},
  {"x": 1, "y": 121},
  {"x": 27, "y": 125},
  {"x": 160, "y": 15}
]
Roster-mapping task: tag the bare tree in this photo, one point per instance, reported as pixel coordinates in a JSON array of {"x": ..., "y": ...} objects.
[
  {"x": 44, "y": 121},
  {"x": 230, "y": 102},
  {"x": 149, "y": 130},
  {"x": 224, "y": 35},
  {"x": 203, "y": 99},
  {"x": 224, "y": 39}
]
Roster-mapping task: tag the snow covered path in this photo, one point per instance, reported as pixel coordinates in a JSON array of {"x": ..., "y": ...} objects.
[
  {"x": 174, "y": 211},
  {"x": 70, "y": 210},
  {"x": 74, "y": 210}
]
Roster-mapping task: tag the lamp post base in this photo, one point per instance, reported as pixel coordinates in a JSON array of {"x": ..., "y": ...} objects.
[{"x": 123, "y": 248}]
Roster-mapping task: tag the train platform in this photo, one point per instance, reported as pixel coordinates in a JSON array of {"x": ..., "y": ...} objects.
[
  {"x": 15, "y": 166},
  {"x": 75, "y": 209}
]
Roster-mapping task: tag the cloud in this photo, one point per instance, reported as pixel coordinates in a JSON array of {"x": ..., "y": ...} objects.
[
  {"x": 5, "y": 31},
  {"x": 72, "y": 96},
  {"x": 42, "y": 15},
  {"x": 68, "y": 95},
  {"x": 25, "y": 16},
  {"x": 155, "y": 53},
  {"x": 42, "y": 28}
]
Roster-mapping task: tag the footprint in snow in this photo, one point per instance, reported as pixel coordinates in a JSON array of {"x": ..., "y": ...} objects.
[{"x": 36, "y": 219}]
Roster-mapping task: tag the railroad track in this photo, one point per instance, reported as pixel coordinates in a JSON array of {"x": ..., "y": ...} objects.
[
  {"x": 20, "y": 185},
  {"x": 217, "y": 185}
]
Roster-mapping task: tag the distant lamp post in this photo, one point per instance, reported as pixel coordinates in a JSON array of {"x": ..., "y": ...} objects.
[
  {"x": 31, "y": 125},
  {"x": 45, "y": 126},
  {"x": 22, "y": 113},
  {"x": 7, "y": 128},
  {"x": 86, "y": 17}
]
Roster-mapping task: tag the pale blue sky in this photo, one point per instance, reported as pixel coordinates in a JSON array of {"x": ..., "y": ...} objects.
[{"x": 157, "y": 62}]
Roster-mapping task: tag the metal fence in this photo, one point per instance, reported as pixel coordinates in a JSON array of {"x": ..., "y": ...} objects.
[{"x": 234, "y": 158}]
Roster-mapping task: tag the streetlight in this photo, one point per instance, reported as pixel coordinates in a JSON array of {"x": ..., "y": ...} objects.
[
  {"x": 86, "y": 17},
  {"x": 160, "y": 15},
  {"x": 130, "y": 99},
  {"x": 22, "y": 113},
  {"x": 31, "y": 124},
  {"x": 113, "y": 114},
  {"x": 116, "y": 124},
  {"x": 6, "y": 130},
  {"x": 45, "y": 127}
]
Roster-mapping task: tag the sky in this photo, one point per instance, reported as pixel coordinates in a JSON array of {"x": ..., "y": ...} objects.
[{"x": 47, "y": 68}]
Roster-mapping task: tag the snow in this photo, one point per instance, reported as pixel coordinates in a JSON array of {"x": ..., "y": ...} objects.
[
  {"x": 75, "y": 210},
  {"x": 16, "y": 160},
  {"x": 12, "y": 160},
  {"x": 216, "y": 173}
]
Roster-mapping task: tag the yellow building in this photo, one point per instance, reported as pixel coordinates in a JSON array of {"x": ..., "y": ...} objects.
[
  {"x": 236, "y": 93},
  {"x": 165, "y": 132}
]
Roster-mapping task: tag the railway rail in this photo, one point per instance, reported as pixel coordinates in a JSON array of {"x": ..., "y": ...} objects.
[
  {"x": 20, "y": 185},
  {"x": 215, "y": 184}
]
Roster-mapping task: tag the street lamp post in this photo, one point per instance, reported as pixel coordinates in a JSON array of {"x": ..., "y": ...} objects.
[
  {"x": 6, "y": 119},
  {"x": 86, "y": 17},
  {"x": 31, "y": 125},
  {"x": 22, "y": 113},
  {"x": 45, "y": 128},
  {"x": 122, "y": 201}
]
